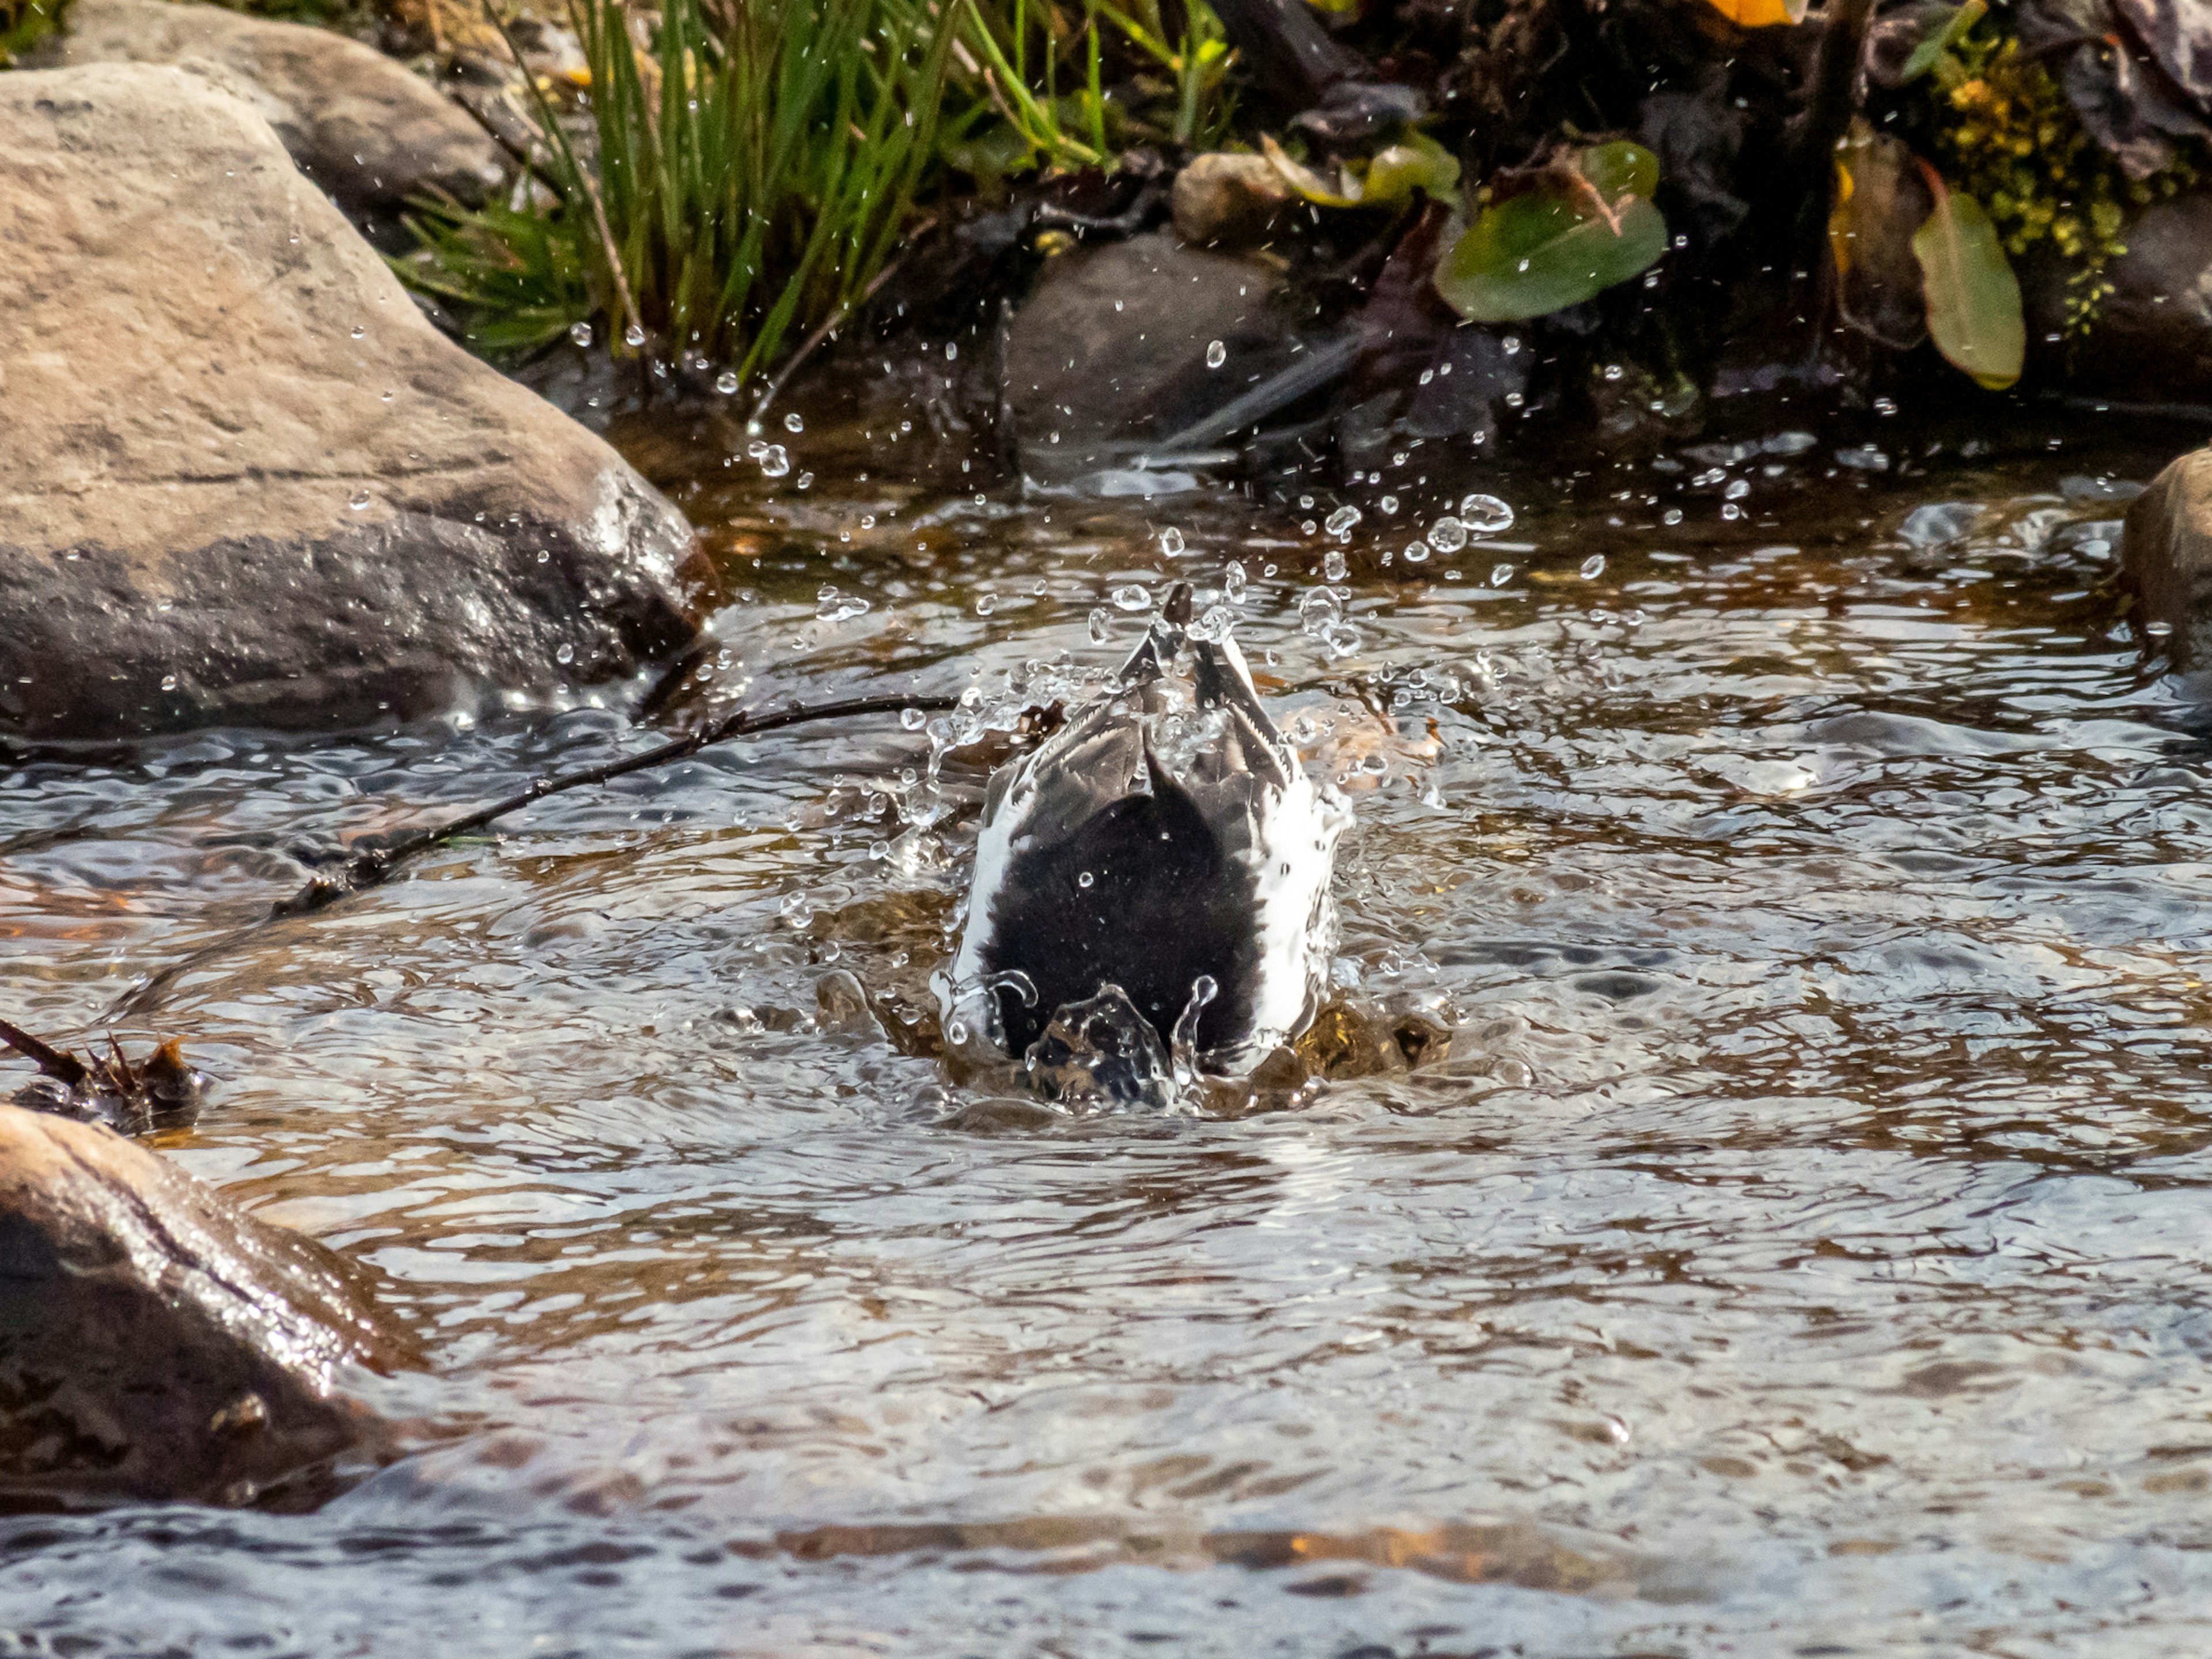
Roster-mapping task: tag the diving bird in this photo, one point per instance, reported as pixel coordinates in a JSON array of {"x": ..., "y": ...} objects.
[{"x": 1163, "y": 852}]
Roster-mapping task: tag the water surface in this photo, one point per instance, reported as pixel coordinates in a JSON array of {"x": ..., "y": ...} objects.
[{"x": 1799, "y": 1249}]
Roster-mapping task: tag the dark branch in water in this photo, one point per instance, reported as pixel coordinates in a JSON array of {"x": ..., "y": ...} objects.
[{"x": 378, "y": 865}]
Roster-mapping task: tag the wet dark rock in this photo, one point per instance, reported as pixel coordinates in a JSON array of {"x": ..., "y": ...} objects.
[
  {"x": 242, "y": 480},
  {"x": 161, "y": 1091},
  {"x": 1230, "y": 202},
  {"x": 2166, "y": 561},
  {"x": 365, "y": 129},
  {"x": 2152, "y": 339},
  {"x": 156, "y": 1344},
  {"x": 1113, "y": 352}
]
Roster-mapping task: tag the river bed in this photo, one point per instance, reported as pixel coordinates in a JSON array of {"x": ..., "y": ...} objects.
[{"x": 1799, "y": 1249}]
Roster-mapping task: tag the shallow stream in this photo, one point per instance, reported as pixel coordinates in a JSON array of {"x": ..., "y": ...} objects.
[{"x": 1799, "y": 1249}]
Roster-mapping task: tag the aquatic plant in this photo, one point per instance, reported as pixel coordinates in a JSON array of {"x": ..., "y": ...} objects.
[{"x": 749, "y": 176}]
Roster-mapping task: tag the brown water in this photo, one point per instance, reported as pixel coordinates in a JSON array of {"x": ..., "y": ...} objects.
[{"x": 1801, "y": 1249}]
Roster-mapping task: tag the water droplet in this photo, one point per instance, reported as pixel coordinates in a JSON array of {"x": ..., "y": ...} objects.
[
  {"x": 727, "y": 383},
  {"x": 913, "y": 719},
  {"x": 360, "y": 500},
  {"x": 1340, "y": 521},
  {"x": 1500, "y": 574},
  {"x": 1672, "y": 515},
  {"x": 1085, "y": 879},
  {"x": 565, "y": 655},
  {"x": 1171, "y": 542},
  {"x": 776, "y": 462},
  {"x": 985, "y": 605},
  {"x": 1334, "y": 564},
  {"x": 1389, "y": 505},
  {"x": 792, "y": 424},
  {"x": 956, "y": 1032},
  {"x": 1216, "y": 355},
  {"x": 359, "y": 334},
  {"x": 1234, "y": 584},
  {"x": 952, "y": 351},
  {"x": 1447, "y": 535},
  {"x": 1513, "y": 344},
  {"x": 1484, "y": 515},
  {"x": 1729, "y": 510},
  {"x": 633, "y": 336},
  {"x": 1593, "y": 566},
  {"x": 805, "y": 481},
  {"x": 1417, "y": 552},
  {"x": 389, "y": 396},
  {"x": 581, "y": 333},
  {"x": 1342, "y": 640},
  {"x": 1737, "y": 490},
  {"x": 168, "y": 682},
  {"x": 1134, "y": 597},
  {"x": 1100, "y": 622}
]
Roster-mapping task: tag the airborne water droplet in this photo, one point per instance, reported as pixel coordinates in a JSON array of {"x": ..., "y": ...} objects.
[
  {"x": 1484, "y": 515},
  {"x": 1134, "y": 597},
  {"x": 581, "y": 333},
  {"x": 1500, "y": 574},
  {"x": 913, "y": 719},
  {"x": 1593, "y": 566},
  {"x": 1333, "y": 564},
  {"x": 1234, "y": 586},
  {"x": 1447, "y": 535},
  {"x": 1216, "y": 355},
  {"x": 1100, "y": 622},
  {"x": 633, "y": 336},
  {"x": 726, "y": 382},
  {"x": 360, "y": 500},
  {"x": 792, "y": 424},
  {"x": 1171, "y": 542},
  {"x": 1340, "y": 521}
]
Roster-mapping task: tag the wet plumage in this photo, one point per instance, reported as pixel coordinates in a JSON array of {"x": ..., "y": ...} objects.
[{"x": 1170, "y": 847}]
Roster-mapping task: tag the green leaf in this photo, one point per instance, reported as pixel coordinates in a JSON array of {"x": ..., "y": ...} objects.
[
  {"x": 1973, "y": 298},
  {"x": 1930, "y": 51},
  {"x": 1582, "y": 228},
  {"x": 1414, "y": 162}
]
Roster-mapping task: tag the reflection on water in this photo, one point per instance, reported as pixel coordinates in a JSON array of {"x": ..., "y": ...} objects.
[{"x": 1756, "y": 1207}]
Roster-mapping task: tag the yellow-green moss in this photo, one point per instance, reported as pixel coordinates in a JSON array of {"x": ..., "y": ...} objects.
[{"x": 2009, "y": 138}]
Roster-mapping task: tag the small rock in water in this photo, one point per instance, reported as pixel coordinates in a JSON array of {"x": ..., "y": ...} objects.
[
  {"x": 160, "y": 1091},
  {"x": 1228, "y": 201},
  {"x": 156, "y": 1344}
]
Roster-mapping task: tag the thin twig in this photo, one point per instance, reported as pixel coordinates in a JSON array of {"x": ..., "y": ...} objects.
[{"x": 378, "y": 865}]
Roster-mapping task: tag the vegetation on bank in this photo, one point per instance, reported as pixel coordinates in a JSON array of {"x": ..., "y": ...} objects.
[{"x": 738, "y": 176}]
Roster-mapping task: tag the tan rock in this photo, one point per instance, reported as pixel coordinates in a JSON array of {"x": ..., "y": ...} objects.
[
  {"x": 1229, "y": 202},
  {"x": 368, "y": 131},
  {"x": 155, "y": 1342},
  {"x": 2166, "y": 561},
  {"x": 241, "y": 478}
]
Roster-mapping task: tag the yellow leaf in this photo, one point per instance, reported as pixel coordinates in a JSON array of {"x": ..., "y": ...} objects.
[{"x": 1760, "y": 14}]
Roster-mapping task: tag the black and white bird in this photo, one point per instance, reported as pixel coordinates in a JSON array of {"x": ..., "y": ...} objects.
[{"x": 1163, "y": 854}]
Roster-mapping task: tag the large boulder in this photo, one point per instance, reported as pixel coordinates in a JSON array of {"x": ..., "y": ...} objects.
[
  {"x": 154, "y": 1343},
  {"x": 362, "y": 127},
  {"x": 2166, "y": 561},
  {"x": 243, "y": 479}
]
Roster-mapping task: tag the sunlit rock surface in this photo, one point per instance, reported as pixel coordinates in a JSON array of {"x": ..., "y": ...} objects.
[
  {"x": 242, "y": 480},
  {"x": 155, "y": 1343},
  {"x": 2166, "y": 561},
  {"x": 362, "y": 126}
]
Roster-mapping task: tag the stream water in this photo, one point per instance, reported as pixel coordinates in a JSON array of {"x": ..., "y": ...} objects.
[{"x": 1799, "y": 1246}]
